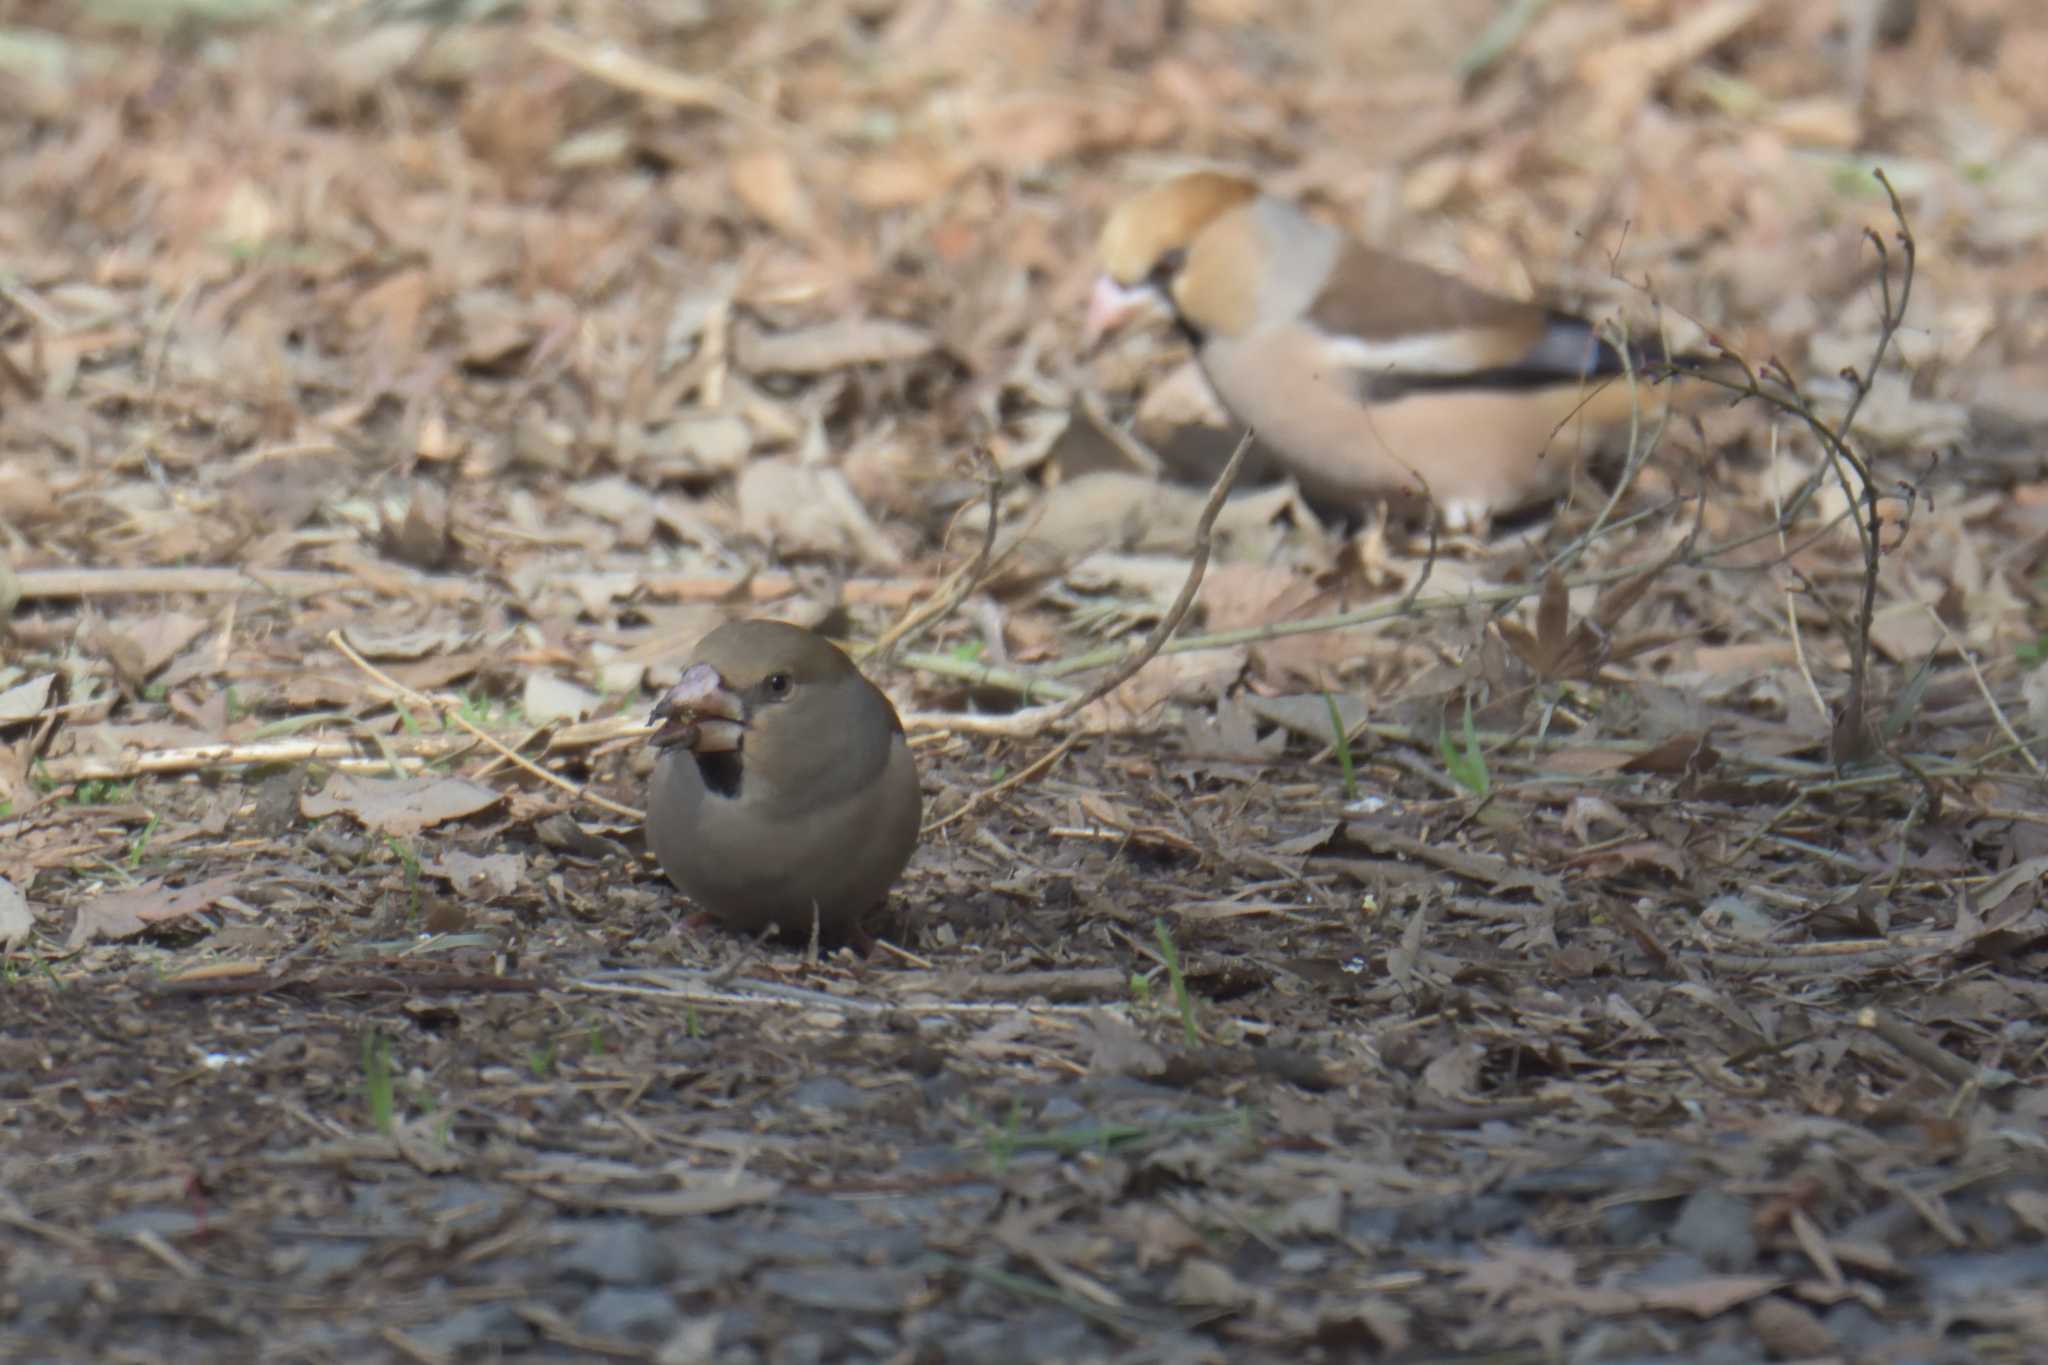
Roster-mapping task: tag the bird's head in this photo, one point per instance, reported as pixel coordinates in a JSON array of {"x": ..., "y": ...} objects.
[
  {"x": 776, "y": 703},
  {"x": 1145, "y": 243}
]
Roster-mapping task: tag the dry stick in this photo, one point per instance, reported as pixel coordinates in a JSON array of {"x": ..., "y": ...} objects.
[
  {"x": 1025, "y": 683},
  {"x": 153, "y": 384},
  {"x": 964, "y": 581},
  {"x": 1922, "y": 1049},
  {"x": 490, "y": 768},
  {"x": 399, "y": 1340},
  {"x": 296, "y": 583},
  {"x": 1142, "y": 457},
  {"x": 1407, "y": 605},
  {"x": 450, "y": 712},
  {"x": 1409, "y": 598},
  {"x": 1792, "y": 403},
  {"x": 1983, "y": 689},
  {"x": 43, "y": 317},
  {"x": 1820, "y": 702},
  {"x": 1853, "y": 728},
  {"x": 1842, "y": 461},
  {"x": 1036, "y": 720},
  {"x": 1016, "y": 779},
  {"x": 1169, "y": 623},
  {"x": 768, "y": 587},
  {"x": 1931, "y": 765},
  {"x": 979, "y": 673},
  {"x": 37, "y": 583},
  {"x": 1925, "y": 766},
  {"x": 1312, "y": 625},
  {"x": 344, "y": 754},
  {"x": 1639, "y": 451},
  {"x": 612, "y": 64},
  {"x": 1024, "y": 724}
]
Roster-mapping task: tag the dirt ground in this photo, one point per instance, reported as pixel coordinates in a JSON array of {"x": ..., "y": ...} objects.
[{"x": 1615, "y": 938}]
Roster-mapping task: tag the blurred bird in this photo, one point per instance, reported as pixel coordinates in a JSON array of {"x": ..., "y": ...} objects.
[
  {"x": 1366, "y": 375},
  {"x": 785, "y": 794}
]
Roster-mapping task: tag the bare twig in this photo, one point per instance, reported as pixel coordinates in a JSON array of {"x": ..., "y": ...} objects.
[
  {"x": 1141, "y": 456},
  {"x": 1037, "y": 720},
  {"x": 345, "y": 754},
  {"x": 769, "y": 587},
  {"x": 1414, "y": 593},
  {"x": 615, "y": 66},
  {"x": 963, "y": 582},
  {"x": 1984, "y": 690},
  {"x": 1017, "y": 779},
  {"x": 1169, "y": 623},
  {"x": 1919, "y": 1047},
  {"x": 1639, "y": 451},
  {"x": 450, "y": 711},
  {"x": 1791, "y": 607},
  {"x": 1774, "y": 385},
  {"x": 43, "y": 583}
]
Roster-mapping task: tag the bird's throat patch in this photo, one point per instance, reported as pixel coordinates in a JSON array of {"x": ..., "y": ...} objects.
[{"x": 721, "y": 770}]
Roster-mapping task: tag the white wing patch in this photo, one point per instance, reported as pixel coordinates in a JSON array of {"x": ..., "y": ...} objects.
[{"x": 1460, "y": 352}]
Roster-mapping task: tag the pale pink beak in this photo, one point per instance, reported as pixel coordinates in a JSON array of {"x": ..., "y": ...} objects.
[
  {"x": 1112, "y": 304},
  {"x": 700, "y": 712}
]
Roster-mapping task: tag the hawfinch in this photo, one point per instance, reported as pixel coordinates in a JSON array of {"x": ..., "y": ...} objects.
[
  {"x": 1367, "y": 376},
  {"x": 785, "y": 793}
]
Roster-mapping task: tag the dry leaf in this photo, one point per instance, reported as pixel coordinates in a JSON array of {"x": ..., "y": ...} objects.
[
  {"x": 16, "y": 918},
  {"x": 123, "y": 914},
  {"x": 1116, "y": 1048},
  {"x": 696, "y": 447},
  {"x": 766, "y": 182},
  {"x": 837, "y": 345},
  {"x": 1201, "y": 1282},
  {"x": 25, "y": 701},
  {"x": 902, "y": 178},
  {"x": 1709, "y": 1296},
  {"x": 809, "y": 510},
  {"x": 138, "y": 648},
  {"x": 398, "y": 806},
  {"x": 1138, "y": 701},
  {"x": 482, "y": 877},
  {"x": 620, "y": 501},
  {"x": 1454, "y": 1073},
  {"x": 421, "y": 537},
  {"x": 547, "y": 699},
  {"x": 25, "y": 498},
  {"x": 386, "y": 642}
]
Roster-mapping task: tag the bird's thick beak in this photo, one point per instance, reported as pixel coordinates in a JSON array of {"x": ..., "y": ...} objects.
[
  {"x": 699, "y": 713},
  {"x": 1111, "y": 305}
]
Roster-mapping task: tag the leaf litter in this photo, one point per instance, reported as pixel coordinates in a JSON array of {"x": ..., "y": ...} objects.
[{"x": 1576, "y": 941}]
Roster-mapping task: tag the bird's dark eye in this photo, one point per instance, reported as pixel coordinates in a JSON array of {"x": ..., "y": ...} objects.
[{"x": 779, "y": 685}]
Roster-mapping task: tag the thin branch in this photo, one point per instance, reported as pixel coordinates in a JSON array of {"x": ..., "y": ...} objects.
[
  {"x": 2005, "y": 725},
  {"x": 1774, "y": 385},
  {"x": 1017, "y": 779},
  {"x": 1169, "y": 623},
  {"x": 292, "y": 583},
  {"x": 963, "y": 582},
  {"x": 450, "y": 711}
]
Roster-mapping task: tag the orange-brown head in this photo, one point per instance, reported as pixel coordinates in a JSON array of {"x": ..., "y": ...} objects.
[{"x": 1147, "y": 239}]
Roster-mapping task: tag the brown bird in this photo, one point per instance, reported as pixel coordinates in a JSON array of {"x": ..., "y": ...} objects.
[
  {"x": 785, "y": 793},
  {"x": 1367, "y": 376}
]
